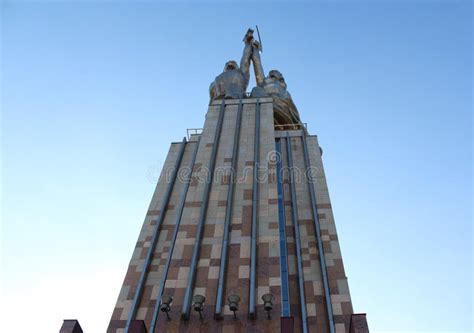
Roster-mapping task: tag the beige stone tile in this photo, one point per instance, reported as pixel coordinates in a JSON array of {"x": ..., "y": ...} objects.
[
  {"x": 216, "y": 251},
  {"x": 311, "y": 309},
  {"x": 337, "y": 309},
  {"x": 213, "y": 272},
  {"x": 204, "y": 262},
  {"x": 183, "y": 273},
  {"x": 274, "y": 281},
  {"x": 340, "y": 298},
  {"x": 262, "y": 290},
  {"x": 200, "y": 291},
  {"x": 340, "y": 328},
  {"x": 141, "y": 313},
  {"x": 244, "y": 272},
  {"x": 181, "y": 283}
]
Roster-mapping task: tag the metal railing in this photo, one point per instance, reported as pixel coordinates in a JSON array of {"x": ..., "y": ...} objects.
[
  {"x": 283, "y": 127},
  {"x": 193, "y": 131}
]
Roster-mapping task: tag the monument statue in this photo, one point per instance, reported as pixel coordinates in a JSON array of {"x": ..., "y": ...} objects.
[
  {"x": 274, "y": 85},
  {"x": 233, "y": 82}
]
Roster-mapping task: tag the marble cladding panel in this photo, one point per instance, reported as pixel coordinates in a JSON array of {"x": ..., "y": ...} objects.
[
  {"x": 314, "y": 294},
  {"x": 237, "y": 280},
  {"x": 209, "y": 259},
  {"x": 179, "y": 267},
  {"x": 340, "y": 296},
  {"x": 136, "y": 263},
  {"x": 162, "y": 250},
  {"x": 268, "y": 253}
]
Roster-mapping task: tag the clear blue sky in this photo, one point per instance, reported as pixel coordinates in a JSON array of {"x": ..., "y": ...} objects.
[{"x": 94, "y": 92}]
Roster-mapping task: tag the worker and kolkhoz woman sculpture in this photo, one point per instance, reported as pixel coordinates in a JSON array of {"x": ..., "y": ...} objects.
[{"x": 233, "y": 83}]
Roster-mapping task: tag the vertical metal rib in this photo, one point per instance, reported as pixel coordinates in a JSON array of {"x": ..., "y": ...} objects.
[
  {"x": 154, "y": 240},
  {"x": 285, "y": 292},
  {"x": 179, "y": 213},
  {"x": 228, "y": 216},
  {"x": 253, "y": 247},
  {"x": 296, "y": 228},
  {"x": 317, "y": 227},
  {"x": 202, "y": 217}
]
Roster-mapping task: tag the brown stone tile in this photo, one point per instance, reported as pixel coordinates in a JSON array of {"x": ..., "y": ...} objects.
[
  {"x": 234, "y": 251},
  {"x": 338, "y": 319},
  {"x": 131, "y": 276},
  {"x": 173, "y": 273},
  {"x": 205, "y": 251},
  {"x": 247, "y": 211},
  {"x": 117, "y": 313},
  {"x": 244, "y": 262},
  {"x": 193, "y": 204},
  {"x": 327, "y": 247},
  {"x": 323, "y": 206},
  {"x": 273, "y": 201},
  {"x": 347, "y": 308},
  {"x": 273, "y": 225},
  {"x": 225, "y": 180},
  {"x": 263, "y": 250},
  {"x": 336, "y": 272},
  {"x": 215, "y": 262},
  {"x": 246, "y": 226},
  {"x": 201, "y": 277},
  {"x": 274, "y": 270},
  {"x": 187, "y": 251},
  {"x": 235, "y": 226},
  {"x": 209, "y": 230},
  {"x": 248, "y": 194}
]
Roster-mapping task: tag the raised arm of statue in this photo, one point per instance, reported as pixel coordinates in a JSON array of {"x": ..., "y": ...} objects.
[
  {"x": 257, "y": 64},
  {"x": 247, "y": 55},
  {"x": 234, "y": 80}
]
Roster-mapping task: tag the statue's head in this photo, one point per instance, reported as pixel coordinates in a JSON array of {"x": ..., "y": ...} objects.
[
  {"x": 277, "y": 77},
  {"x": 230, "y": 65}
]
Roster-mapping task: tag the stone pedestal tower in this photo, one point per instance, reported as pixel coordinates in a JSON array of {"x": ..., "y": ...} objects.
[{"x": 240, "y": 235}]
